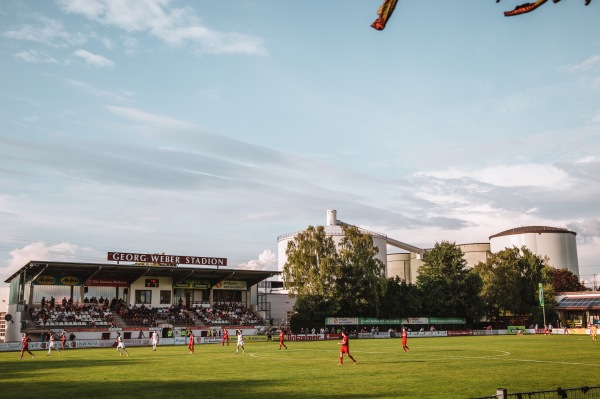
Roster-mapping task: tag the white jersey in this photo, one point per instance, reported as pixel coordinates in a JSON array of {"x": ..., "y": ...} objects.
[
  {"x": 154, "y": 337},
  {"x": 120, "y": 343},
  {"x": 240, "y": 339},
  {"x": 51, "y": 341}
]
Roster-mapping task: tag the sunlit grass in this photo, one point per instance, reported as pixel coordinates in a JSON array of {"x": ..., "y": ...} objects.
[{"x": 458, "y": 367}]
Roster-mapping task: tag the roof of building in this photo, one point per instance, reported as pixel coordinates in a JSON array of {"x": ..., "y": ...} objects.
[
  {"x": 580, "y": 303},
  {"x": 578, "y": 300},
  {"x": 532, "y": 229},
  {"x": 131, "y": 272}
]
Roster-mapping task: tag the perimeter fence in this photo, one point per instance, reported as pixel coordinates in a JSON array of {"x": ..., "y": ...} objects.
[{"x": 559, "y": 393}]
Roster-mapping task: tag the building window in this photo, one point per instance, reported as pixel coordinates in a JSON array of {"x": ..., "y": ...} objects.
[
  {"x": 165, "y": 297},
  {"x": 227, "y": 296},
  {"x": 143, "y": 296}
]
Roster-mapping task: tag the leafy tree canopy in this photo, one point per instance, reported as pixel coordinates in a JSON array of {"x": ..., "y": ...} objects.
[
  {"x": 563, "y": 280},
  {"x": 449, "y": 288},
  {"x": 511, "y": 278}
]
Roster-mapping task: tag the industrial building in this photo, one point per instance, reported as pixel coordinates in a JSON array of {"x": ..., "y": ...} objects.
[{"x": 557, "y": 244}]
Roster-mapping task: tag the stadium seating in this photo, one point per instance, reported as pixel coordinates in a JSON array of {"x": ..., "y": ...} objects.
[{"x": 231, "y": 314}]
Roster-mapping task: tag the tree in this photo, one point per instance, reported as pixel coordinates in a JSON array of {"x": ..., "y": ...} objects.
[
  {"x": 563, "y": 280},
  {"x": 312, "y": 264},
  {"x": 511, "y": 279},
  {"x": 447, "y": 286},
  {"x": 310, "y": 312},
  {"x": 361, "y": 282},
  {"x": 400, "y": 299},
  {"x": 348, "y": 279}
]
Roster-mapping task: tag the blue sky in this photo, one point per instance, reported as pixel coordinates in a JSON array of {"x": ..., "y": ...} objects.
[{"x": 208, "y": 128}]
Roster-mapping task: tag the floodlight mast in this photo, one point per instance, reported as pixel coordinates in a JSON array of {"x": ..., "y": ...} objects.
[{"x": 541, "y": 297}]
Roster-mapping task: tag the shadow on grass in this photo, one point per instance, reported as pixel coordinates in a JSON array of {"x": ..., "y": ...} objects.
[
  {"x": 139, "y": 377},
  {"x": 98, "y": 388}
]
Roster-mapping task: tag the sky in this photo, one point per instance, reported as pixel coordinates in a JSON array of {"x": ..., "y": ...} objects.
[{"x": 209, "y": 128}]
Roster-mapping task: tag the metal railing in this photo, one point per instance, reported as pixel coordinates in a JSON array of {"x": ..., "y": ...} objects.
[{"x": 559, "y": 393}]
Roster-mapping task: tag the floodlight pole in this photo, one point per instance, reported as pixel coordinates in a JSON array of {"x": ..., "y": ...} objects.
[{"x": 541, "y": 298}]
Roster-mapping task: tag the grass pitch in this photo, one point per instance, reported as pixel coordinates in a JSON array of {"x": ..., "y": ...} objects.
[{"x": 454, "y": 367}]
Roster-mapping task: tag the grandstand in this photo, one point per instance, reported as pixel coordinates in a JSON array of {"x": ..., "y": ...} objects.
[{"x": 143, "y": 297}]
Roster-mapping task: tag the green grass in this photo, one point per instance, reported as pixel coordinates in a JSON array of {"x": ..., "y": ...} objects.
[{"x": 457, "y": 367}]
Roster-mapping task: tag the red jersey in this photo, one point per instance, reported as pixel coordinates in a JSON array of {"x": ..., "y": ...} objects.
[
  {"x": 345, "y": 344},
  {"x": 26, "y": 342},
  {"x": 226, "y": 335},
  {"x": 191, "y": 343},
  {"x": 281, "y": 336}
]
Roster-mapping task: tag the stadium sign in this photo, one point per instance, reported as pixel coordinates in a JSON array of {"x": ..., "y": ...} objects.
[
  {"x": 416, "y": 320},
  {"x": 165, "y": 259},
  {"x": 202, "y": 285},
  {"x": 57, "y": 280},
  {"x": 106, "y": 282},
  {"x": 341, "y": 321},
  {"x": 231, "y": 285},
  {"x": 370, "y": 321},
  {"x": 446, "y": 320}
]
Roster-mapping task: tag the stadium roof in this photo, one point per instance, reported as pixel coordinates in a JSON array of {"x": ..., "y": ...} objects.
[
  {"x": 532, "y": 229},
  {"x": 579, "y": 303},
  {"x": 131, "y": 272}
]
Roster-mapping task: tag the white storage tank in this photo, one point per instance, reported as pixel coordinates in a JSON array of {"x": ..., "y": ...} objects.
[
  {"x": 475, "y": 253},
  {"x": 558, "y": 244}
]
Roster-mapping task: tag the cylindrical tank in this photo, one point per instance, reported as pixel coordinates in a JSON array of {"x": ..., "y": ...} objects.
[
  {"x": 558, "y": 244},
  {"x": 332, "y": 217},
  {"x": 398, "y": 264},
  {"x": 475, "y": 253}
]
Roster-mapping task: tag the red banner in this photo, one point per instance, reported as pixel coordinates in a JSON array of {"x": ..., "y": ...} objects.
[{"x": 106, "y": 282}]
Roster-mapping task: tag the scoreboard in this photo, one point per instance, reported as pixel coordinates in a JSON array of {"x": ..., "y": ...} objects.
[{"x": 152, "y": 282}]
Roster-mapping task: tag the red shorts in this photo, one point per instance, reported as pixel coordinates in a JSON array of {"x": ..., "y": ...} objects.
[{"x": 345, "y": 349}]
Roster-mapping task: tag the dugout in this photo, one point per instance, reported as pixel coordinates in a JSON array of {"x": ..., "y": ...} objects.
[{"x": 157, "y": 286}]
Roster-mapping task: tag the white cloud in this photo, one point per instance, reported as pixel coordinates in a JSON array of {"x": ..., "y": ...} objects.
[
  {"x": 267, "y": 260},
  {"x": 590, "y": 159},
  {"x": 146, "y": 117},
  {"x": 35, "y": 57},
  {"x": 131, "y": 45},
  {"x": 588, "y": 65},
  {"x": 522, "y": 175},
  {"x": 121, "y": 96},
  {"x": 94, "y": 60},
  {"x": 40, "y": 251},
  {"x": 48, "y": 31},
  {"x": 173, "y": 26}
]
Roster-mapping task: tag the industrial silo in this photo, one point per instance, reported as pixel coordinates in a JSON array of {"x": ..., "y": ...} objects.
[{"x": 558, "y": 244}]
